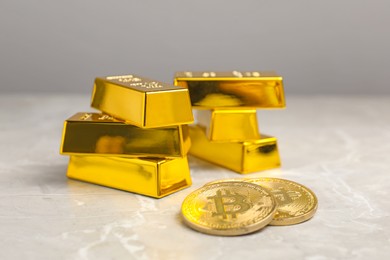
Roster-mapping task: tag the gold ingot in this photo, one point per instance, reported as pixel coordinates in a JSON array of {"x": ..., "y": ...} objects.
[
  {"x": 229, "y": 125},
  {"x": 296, "y": 203},
  {"x": 142, "y": 102},
  {"x": 229, "y": 209},
  {"x": 242, "y": 157},
  {"x": 152, "y": 177},
  {"x": 99, "y": 134},
  {"x": 233, "y": 89}
]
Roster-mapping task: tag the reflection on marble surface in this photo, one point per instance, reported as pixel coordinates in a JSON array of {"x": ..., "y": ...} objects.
[{"x": 337, "y": 146}]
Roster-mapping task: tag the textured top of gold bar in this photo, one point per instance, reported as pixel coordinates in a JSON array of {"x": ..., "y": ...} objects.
[
  {"x": 140, "y": 83},
  {"x": 239, "y": 89},
  {"x": 93, "y": 117},
  {"x": 142, "y": 102},
  {"x": 223, "y": 75}
]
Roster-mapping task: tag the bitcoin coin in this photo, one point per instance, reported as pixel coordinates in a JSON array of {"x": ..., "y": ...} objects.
[
  {"x": 229, "y": 209},
  {"x": 296, "y": 203}
]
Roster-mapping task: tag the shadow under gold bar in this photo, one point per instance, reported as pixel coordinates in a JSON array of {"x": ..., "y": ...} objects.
[
  {"x": 142, "y": 102},
  {"x": 151, "y": 177},
  {"x": 233, "y": 89},
  {"x": 100, "y": 134},
  {"x": 241, "y": 157},
  {"x": 229, "y": 125}
]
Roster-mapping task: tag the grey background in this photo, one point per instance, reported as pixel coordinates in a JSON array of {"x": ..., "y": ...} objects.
[{"x": 320, "y": 47}]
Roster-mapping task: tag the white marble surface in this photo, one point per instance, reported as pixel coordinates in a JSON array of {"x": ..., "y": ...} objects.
[{"x": 338, "y": 146}]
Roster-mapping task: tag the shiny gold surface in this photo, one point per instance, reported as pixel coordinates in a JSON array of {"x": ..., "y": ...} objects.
[
  {"x": 233, "y": 89},
  {"x": 296, "y": 203},
  {"x": 142, "y": 102},
  {"x": 229, "y": 209},
  {"x": 151, "y": 177},
  {"x": 229, "y": 125},
  {"x": 99, "y": 134},
  {"x": 242, "y": 157}
]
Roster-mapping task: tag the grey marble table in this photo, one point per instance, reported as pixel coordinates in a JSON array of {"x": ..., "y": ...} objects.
[{"x": 337, "y": 146}]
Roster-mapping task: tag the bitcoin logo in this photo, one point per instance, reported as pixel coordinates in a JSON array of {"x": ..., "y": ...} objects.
[
  {"x": 284, "y": 196},
  {"x": 296, "y": 203},
  {"x": 229, "y": 208},
  {"x": 235, "y": 202}
]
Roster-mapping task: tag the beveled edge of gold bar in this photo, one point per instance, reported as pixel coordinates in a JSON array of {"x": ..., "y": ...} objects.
[
  {"x": 207, "y": 119},
  {"x": 87, "y": 117},
  {"x": 185, "y": 183},
  {"x": 263, "y": 139},
  {"x": 231, "y": 75},
  {"x": 138, "y": 83}
]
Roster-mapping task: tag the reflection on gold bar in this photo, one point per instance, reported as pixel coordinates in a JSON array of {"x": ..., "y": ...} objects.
[
  {"x": 151, "y": 177},
  {"x": 233, "y": 89},
  {"x": 230, "y": 125},
  {"x": 99, "y": 134},
  {"x": 242, "y": 157},
  {"x": 142, "y": 102}
]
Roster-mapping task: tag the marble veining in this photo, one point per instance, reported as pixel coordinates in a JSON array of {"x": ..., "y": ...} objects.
[{"x": 337, "y": 146}]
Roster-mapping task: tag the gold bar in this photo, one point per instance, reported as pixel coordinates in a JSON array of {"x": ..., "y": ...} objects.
[
  {"x": 151, "y": 177},
  {"x": 241, "y": 157},
  {"x": 233, "y": 89},
  {"x": 142, "y": 102},
  {"x": 229, "y": 125},
  {"x": 99, "y": 134}
]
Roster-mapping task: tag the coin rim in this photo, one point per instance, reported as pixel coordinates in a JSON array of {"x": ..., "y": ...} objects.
[
  {"x": 286, "y": 221},
  {"x": 237, "y": 231}
]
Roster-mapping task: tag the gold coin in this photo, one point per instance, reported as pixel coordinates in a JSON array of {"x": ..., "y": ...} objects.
[
  {"x": 229, "y": 209},
  {"x": 296, "y": 203}
]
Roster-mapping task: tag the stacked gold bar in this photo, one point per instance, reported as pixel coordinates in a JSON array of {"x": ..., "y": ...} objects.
[
  {"x": 227, "y": 132},
  {"x": 139, "y": 143}
]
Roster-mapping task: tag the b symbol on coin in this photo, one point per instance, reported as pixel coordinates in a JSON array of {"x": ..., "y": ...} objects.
[
  {"x": 229, "y": 208},
  {"x": 229, "y": 204}
]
